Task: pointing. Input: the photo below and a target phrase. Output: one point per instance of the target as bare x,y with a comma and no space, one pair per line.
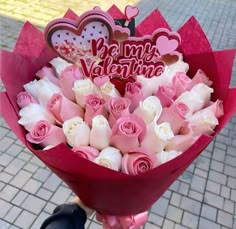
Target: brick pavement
203,197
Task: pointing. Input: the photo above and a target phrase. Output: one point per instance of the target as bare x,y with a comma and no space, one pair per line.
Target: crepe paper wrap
107,191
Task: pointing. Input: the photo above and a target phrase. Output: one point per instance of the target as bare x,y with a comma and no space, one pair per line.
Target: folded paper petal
193,39
152,22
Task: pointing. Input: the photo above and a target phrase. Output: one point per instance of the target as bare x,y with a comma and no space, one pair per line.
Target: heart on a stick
131,12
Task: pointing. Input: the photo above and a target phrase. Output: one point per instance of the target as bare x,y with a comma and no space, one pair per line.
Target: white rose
165,156
171,70
33,113
149,109
203,91
157,136
77,132
100,133
109,157
192,100
83,88
42,90
150,85
59,65
203,122
108,90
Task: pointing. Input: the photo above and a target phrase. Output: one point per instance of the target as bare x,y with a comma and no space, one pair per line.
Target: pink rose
138,161
45,134
165,94
122,222
24,99
181,143
118,106
165,156
200,77
157,136
94,105
67,78
217,108
49,73
86,152
181,82
203,122
128,132
133,91
175,115
63,109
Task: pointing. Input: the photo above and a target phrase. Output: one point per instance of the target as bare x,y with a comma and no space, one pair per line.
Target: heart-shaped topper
131,12
167,41
71,40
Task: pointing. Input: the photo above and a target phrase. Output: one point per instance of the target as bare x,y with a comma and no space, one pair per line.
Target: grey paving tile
44,194
218,166
174,214
198,184
204,223
175,199
231,182
25,220
209,212
213,187
12,214
5,143
225,192
5,177
24,156
190,205
41,174
14,150
52,183
195,195
61,195
168,224
34,160
49,208
183,188
5,159
219,154
2,185
4,208
4,224
155,219
95,226
19,198
8,192
32,186
20,179
229,170
190,220
233,195
225,219
30,167
40,219
15,166
33,204
203,163
229,206
214,200
160,207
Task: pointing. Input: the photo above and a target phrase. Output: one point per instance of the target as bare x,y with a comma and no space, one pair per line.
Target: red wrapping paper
107,191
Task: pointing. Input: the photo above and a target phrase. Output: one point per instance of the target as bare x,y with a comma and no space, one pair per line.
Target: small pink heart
131,12
100,80
166,45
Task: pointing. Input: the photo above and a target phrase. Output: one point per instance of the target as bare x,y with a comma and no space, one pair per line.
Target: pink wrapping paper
107,191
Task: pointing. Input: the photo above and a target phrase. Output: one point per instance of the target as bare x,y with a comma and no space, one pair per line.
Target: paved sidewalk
203,197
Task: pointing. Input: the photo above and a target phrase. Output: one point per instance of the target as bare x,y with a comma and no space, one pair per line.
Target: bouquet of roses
109,138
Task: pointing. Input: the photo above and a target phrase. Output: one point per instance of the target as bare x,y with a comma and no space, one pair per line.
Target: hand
77,201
